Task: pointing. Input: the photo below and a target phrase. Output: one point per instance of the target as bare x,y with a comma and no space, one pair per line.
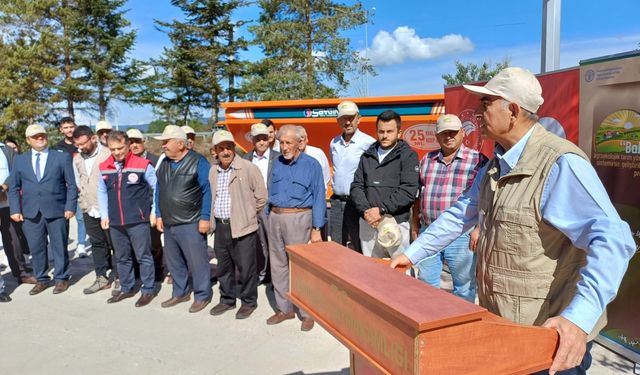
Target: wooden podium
395,324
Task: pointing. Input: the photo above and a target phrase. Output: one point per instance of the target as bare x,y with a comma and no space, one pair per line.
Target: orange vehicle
318,116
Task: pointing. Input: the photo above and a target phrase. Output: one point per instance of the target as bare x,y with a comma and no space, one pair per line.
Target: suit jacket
54,194
273,155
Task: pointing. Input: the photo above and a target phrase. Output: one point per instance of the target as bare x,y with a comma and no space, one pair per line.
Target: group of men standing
542,258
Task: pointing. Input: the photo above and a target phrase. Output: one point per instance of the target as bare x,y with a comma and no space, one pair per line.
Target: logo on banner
320,112
589,75
421,137
471,126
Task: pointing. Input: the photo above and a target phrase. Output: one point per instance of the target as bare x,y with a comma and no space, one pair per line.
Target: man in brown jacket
238,194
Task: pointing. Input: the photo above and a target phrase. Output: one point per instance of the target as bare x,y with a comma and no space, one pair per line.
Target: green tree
304,54
203,57
473,73
108,38
28,64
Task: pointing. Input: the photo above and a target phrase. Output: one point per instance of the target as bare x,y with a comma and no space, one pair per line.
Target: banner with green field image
610,134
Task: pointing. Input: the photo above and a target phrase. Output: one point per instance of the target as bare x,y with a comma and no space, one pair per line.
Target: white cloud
404,44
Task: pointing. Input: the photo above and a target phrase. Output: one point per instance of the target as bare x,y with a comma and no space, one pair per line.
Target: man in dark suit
43,195
262,156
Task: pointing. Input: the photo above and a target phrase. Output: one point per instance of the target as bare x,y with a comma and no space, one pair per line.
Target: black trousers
14,243
344,224
101,248
235,253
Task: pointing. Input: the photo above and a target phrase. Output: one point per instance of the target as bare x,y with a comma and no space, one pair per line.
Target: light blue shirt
4,165
44,154
345,157
103,197
576,203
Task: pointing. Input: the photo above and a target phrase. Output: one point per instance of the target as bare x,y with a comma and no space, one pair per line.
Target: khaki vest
527,270
88,196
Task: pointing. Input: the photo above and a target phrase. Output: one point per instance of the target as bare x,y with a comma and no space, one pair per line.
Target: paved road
72,333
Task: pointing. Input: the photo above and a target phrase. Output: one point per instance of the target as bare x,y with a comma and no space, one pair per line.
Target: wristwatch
383,211
316,228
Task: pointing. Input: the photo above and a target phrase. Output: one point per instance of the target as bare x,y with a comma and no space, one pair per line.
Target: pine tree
203,57
305,55
108,38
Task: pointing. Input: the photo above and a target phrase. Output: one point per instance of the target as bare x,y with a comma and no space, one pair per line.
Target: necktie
38,173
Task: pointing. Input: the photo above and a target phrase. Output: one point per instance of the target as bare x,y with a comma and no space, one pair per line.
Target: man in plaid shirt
444,175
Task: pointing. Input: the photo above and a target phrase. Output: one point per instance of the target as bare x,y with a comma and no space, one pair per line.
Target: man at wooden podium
552,249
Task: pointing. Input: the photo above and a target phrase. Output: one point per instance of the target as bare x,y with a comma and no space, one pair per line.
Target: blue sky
428,36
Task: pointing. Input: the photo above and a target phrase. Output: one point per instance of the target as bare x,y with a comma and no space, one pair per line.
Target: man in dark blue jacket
385,185
43,195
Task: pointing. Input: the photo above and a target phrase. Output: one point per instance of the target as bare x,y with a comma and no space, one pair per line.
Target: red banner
559,113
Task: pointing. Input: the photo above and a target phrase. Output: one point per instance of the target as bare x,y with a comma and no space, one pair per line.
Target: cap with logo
222,136
103,125
389,234
259,129
448,122
135,134
172,132
515,85
347,108
34,129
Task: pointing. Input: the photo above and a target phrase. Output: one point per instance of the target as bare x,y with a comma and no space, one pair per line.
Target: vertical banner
610,134
558,113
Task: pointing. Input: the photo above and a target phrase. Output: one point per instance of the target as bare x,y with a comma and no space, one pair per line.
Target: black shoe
220,308
4,297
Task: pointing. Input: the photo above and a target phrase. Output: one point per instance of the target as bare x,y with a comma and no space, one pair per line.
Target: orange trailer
318,116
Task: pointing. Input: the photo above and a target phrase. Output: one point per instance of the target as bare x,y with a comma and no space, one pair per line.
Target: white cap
135,133
347,108
389,234
103,125
34,130
172,132
259,128
515,85
448,122
222,136
188,129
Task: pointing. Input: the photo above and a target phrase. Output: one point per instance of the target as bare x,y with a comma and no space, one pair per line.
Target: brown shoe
144,299
175,300
40,286
245,311
119,297
307,324
220,309
280,317
198,305
61,286
27,279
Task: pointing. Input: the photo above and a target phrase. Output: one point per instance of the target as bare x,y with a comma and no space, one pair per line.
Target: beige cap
259,128
34,129
103,125
389,234
347,108
222,136
135,133
448,122
515,85
188,129
172,132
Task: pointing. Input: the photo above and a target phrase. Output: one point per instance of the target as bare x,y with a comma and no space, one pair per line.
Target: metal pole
550,56
366,54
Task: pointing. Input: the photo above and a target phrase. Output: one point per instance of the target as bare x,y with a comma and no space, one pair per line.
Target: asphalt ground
73,333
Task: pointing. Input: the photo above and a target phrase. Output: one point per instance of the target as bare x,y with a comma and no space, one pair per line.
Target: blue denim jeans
462,265
82,232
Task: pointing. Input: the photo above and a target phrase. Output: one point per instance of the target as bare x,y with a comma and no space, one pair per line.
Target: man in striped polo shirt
444,175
